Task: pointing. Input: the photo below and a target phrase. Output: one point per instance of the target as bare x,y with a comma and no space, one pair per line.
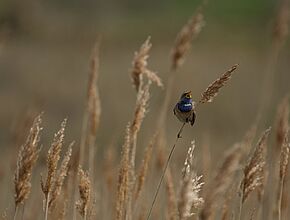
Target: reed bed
143,183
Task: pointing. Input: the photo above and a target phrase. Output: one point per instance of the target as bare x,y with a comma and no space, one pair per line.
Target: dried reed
82,205
144,168
53,157
123,177
280,34
284,159
183,41
254,171
139,114
213,89
191,185
91,118
222,181
26,160
282,124
60,177
139,67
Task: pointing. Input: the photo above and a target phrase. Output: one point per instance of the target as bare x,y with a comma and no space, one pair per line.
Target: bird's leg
180,131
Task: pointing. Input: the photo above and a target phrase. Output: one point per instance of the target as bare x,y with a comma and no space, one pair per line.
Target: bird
184,109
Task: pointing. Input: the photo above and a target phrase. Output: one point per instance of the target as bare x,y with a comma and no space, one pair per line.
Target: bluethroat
184,109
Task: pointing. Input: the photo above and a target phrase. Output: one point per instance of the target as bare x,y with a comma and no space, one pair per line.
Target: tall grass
232,190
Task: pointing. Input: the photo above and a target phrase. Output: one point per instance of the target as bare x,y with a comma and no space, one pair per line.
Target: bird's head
186,96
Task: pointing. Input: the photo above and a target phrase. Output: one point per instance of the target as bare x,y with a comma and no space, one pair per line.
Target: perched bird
184,109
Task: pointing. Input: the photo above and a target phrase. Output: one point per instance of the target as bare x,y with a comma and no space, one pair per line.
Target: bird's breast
185,107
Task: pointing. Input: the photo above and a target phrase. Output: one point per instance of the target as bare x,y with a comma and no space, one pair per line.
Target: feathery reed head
190,187
141,107
282,122
144,168
82,204
222,181
62,173
185,36
140,67
53,157
284,157
213,89
254,171
26,160
123,177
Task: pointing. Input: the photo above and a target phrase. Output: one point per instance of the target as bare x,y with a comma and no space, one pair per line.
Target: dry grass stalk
144,168
171,198
26,160
83,203
139,67
213,89
53,157
123,177
94,103
284,159
281,29
91,119
109,167
60,177
190,188
254,170
222,181
139,114
226,207
282,123
183,40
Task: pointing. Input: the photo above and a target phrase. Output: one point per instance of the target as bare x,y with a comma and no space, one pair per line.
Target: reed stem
15,212
280,198
46,207
164,171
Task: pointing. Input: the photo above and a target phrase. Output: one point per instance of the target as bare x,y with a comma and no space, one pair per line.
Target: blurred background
45,47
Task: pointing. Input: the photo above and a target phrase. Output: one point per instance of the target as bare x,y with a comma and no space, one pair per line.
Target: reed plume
91,118
222,181
61,175
144,168
82,205
27,157
139,67
254,171
284,159
282,124
213,89
139,115
53,157
123,177
191,185
183,40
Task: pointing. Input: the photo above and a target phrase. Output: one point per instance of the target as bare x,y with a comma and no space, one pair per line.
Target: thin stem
15,212
241,207
164,171
22,214
280,198
46,207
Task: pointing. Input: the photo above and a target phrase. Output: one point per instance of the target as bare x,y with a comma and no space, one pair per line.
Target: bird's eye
188,96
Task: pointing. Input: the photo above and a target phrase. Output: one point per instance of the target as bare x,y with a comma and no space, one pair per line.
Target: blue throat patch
185,105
